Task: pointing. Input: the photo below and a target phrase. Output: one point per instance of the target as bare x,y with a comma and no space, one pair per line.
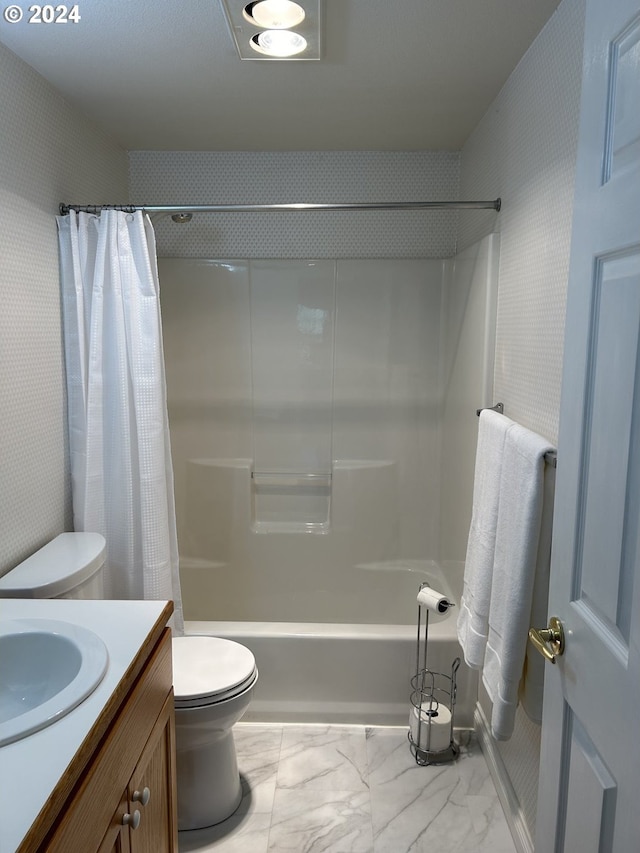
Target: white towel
531,687
516,549
473,616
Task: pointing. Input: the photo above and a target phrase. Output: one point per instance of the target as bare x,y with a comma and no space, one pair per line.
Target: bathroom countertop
31,768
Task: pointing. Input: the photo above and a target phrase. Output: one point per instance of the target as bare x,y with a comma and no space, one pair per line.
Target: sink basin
47,668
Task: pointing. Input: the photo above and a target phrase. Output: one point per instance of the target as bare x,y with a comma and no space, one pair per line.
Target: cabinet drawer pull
142,796
131,820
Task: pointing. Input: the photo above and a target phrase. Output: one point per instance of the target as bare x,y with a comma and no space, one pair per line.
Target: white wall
524,150
50,153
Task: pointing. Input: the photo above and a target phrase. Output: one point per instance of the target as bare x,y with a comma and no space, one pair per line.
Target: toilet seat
209,670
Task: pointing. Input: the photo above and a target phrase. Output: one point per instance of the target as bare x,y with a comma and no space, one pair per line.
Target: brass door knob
549,641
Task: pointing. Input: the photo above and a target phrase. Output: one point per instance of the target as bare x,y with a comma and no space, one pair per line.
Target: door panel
609,481
590,796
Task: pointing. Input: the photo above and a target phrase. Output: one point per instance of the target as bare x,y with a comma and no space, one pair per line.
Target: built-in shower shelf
284,479
200,564
290,527
291,501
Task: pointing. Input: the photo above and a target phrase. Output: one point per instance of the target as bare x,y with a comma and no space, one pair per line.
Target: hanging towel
532,682
516,550
473,616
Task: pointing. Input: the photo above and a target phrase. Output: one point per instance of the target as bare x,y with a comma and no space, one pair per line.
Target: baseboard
508,799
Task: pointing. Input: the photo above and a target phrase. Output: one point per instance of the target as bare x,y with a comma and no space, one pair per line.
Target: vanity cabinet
124,797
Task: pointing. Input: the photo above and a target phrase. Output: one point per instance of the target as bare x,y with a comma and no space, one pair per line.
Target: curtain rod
181,209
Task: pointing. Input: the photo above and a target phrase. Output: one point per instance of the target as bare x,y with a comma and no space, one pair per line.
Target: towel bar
550,457
499,407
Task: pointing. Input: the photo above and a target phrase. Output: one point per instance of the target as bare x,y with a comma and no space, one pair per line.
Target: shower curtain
120,456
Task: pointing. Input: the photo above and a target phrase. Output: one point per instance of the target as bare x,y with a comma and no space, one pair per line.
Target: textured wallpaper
524,149
50,154
280,177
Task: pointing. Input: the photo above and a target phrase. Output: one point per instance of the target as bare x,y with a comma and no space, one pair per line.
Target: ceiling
394,74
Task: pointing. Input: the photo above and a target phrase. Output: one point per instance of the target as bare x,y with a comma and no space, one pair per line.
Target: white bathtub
356,672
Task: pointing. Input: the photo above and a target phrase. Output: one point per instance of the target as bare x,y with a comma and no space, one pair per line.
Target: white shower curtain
122,479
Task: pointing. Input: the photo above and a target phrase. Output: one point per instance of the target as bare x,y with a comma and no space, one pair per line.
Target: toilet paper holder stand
433,695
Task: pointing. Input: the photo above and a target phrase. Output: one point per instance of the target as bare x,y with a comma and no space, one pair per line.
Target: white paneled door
589,795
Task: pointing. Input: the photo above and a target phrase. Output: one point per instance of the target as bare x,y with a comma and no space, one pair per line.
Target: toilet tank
70,566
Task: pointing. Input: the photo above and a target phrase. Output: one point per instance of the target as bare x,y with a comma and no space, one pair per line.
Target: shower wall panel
469,326
292,317
292,347
386,392
303,404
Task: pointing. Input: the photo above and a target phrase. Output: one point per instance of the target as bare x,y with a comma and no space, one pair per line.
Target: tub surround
39,771
303,399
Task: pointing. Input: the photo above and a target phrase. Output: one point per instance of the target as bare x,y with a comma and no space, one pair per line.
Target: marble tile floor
351,789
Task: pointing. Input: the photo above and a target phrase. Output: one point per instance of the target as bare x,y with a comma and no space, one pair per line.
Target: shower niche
291,501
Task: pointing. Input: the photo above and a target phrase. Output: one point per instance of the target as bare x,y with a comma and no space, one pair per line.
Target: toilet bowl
213,684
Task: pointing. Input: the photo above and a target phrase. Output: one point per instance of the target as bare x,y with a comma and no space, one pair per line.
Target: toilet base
208,782
209,789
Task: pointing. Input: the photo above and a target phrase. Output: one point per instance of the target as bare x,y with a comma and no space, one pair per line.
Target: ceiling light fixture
280,43
275,30
274,14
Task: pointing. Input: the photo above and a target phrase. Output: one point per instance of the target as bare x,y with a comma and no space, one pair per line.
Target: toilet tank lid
59,566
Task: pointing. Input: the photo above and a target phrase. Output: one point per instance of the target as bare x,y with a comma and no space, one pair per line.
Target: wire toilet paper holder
433,695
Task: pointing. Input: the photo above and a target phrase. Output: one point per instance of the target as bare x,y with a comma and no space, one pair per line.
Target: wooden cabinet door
144,724
152,789
116,839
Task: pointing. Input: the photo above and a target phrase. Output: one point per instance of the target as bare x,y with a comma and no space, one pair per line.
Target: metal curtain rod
167,209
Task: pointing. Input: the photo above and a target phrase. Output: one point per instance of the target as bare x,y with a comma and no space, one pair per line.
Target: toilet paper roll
440,727
433,600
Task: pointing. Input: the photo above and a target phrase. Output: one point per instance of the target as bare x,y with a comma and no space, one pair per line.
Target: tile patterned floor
351,789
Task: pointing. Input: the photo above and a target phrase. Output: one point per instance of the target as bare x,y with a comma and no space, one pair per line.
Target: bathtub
354,671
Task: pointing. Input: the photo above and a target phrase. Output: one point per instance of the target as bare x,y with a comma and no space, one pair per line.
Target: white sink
47,668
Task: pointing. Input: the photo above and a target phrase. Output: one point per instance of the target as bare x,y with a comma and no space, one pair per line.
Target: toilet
213,684
213,679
